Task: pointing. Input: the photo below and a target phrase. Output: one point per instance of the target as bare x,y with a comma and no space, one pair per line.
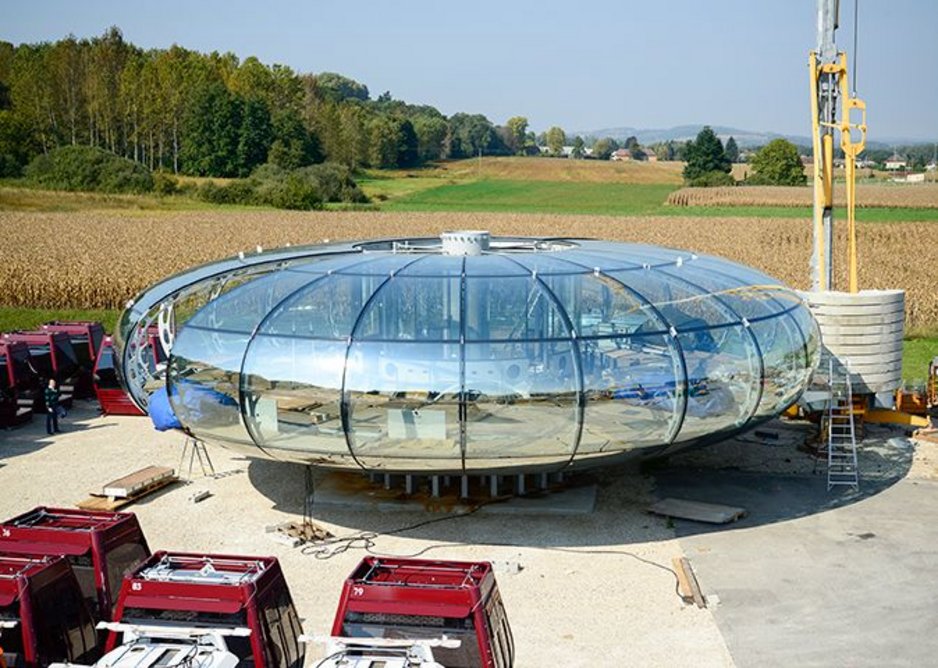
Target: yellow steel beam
885,416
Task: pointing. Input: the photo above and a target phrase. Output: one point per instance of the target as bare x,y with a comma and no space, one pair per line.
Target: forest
186,112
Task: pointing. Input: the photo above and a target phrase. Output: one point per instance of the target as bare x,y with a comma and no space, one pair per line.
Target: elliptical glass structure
473,354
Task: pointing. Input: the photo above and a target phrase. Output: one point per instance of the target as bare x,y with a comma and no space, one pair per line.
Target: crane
833,108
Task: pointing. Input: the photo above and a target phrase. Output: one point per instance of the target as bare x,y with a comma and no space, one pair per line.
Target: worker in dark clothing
52,408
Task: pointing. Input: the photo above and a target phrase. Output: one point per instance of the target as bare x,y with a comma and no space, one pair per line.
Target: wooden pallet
133,487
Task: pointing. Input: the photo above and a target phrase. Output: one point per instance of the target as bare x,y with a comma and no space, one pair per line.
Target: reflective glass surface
535,355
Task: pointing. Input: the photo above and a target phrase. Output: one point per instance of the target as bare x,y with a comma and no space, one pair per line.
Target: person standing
52,408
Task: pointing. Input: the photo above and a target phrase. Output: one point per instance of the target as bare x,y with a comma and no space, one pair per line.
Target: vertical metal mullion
463,408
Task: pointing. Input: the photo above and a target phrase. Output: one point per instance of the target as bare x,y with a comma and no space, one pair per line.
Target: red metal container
52,356
220,591
422,599
43,617
20,388
100,546
85,337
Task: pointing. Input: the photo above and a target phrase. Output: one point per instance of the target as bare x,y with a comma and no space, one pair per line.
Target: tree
732,150
212,133
517,129
469,134
637,152
604,148
778,164
705,155
579,148
631,142
408,154
254,137
336,88
555,140
431,135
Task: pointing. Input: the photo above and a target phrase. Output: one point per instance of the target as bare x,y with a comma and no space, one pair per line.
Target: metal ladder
842,466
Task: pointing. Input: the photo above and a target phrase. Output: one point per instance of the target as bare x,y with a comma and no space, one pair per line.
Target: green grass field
574,197
917,353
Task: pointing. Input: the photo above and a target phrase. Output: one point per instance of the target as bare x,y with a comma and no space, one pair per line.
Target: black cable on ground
366,540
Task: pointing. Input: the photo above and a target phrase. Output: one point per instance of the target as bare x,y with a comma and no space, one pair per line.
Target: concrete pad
353,491
812,578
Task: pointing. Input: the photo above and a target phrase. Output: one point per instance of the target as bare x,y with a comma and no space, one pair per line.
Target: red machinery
52,356
43,617
423,599
85,337
112,397
100,546
244,599
20,388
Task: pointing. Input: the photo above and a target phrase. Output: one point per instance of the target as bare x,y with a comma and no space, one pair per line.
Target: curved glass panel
722,380
521,403
403,404
683,306
408,308
511,309
634,392
326,308
598,305
292,395
203,379
241,308
784,362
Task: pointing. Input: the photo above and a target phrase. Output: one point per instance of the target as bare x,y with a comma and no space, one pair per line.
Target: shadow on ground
788,488
31,436
794,486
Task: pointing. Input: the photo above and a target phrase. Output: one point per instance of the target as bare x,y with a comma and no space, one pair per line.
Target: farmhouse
622,154
896,162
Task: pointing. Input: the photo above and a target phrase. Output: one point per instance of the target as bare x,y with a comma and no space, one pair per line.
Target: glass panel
633,393
784,359
327,308
404,404
599,305
292,394
383,264
723,380
747,301
241,309
328,263
549,263
739,271
435,265
501,309
683,306
592,257
521,403
413,309
809,330
493,265
204,373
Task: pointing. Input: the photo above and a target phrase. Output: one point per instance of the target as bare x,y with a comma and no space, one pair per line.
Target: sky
582,65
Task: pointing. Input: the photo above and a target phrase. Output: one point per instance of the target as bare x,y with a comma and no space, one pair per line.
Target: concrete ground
807,576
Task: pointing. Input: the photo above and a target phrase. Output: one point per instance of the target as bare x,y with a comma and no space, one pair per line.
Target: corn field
102,259
922,195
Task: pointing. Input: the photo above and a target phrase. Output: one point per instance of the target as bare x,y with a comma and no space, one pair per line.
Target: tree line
211,114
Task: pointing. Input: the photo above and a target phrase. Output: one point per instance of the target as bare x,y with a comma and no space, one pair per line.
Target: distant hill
744,138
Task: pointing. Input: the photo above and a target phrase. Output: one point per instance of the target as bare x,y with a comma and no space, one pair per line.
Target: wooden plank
683,583
698,511
138,480
687,581
111,503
